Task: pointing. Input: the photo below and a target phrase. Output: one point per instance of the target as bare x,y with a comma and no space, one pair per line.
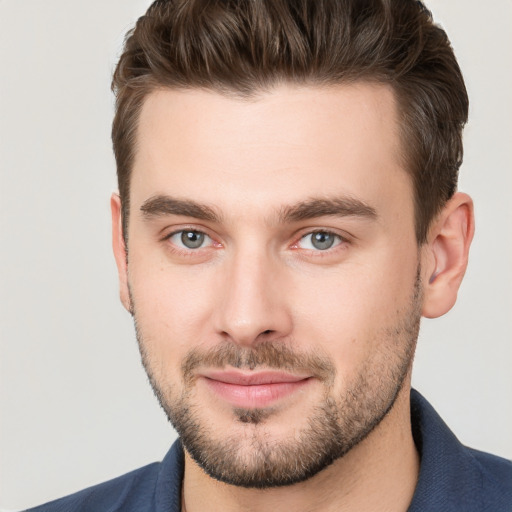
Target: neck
380,473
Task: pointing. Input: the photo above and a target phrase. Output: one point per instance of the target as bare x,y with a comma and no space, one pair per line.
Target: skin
259,279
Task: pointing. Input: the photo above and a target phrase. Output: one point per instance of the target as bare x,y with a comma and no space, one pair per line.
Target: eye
320,240
190,239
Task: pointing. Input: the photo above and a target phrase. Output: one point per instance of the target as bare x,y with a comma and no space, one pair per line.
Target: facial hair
334,426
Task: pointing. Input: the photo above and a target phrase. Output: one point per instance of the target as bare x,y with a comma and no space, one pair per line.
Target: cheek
348,309
172,308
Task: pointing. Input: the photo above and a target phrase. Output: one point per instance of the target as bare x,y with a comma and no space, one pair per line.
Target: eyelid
196,229
344,237
180,229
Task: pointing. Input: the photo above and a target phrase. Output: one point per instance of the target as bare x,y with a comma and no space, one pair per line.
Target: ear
445,255
120,251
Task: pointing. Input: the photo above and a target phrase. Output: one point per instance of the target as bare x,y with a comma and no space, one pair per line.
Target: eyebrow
320,207
159,206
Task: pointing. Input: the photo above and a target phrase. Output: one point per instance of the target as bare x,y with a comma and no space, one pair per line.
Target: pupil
192,239
322,240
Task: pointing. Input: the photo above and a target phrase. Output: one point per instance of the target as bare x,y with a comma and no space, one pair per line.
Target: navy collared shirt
452,477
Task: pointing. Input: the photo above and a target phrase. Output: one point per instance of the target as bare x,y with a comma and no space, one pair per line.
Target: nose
253,305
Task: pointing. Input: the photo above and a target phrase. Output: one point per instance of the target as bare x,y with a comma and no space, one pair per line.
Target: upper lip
252,378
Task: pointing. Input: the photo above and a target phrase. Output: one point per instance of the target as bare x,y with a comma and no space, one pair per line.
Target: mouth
253,390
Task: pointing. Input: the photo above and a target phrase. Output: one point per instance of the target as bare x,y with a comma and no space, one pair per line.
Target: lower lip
254,396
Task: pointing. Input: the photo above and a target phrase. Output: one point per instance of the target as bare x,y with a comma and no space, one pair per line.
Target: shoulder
152,488
121,493
452,476
483,481
496,473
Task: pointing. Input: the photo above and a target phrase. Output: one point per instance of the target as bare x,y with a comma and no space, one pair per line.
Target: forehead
280,147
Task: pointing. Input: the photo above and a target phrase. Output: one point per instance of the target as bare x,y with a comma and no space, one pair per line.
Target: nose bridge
254,302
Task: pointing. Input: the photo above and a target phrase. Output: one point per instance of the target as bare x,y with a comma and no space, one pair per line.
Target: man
287,212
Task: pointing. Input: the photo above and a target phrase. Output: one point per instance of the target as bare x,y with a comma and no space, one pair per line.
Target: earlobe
446,255
120,252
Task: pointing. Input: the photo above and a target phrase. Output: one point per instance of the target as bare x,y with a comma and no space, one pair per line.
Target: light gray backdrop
75,405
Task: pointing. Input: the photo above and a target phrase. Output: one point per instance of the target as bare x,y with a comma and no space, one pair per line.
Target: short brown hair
242,47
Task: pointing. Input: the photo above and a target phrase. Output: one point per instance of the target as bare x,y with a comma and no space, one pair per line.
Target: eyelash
186,251
327,256
342,241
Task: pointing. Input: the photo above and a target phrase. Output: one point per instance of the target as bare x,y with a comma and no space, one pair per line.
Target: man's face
273,273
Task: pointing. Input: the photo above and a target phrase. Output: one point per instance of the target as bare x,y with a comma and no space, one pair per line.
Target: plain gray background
75,405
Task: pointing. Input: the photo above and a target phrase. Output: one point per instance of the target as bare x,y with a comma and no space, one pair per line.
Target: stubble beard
335,426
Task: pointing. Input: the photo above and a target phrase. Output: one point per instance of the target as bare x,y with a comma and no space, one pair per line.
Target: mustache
277,356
